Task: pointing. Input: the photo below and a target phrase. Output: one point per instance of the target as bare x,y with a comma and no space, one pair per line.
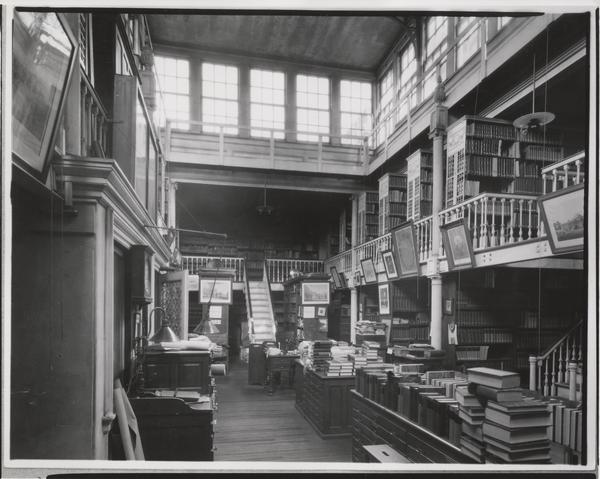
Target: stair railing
558,365
268,283
248,305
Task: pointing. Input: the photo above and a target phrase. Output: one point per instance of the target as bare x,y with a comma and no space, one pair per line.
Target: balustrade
194,263
565,173
278,270
94,121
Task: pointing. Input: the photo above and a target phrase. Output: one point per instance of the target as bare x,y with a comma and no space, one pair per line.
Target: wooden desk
280,366
177,369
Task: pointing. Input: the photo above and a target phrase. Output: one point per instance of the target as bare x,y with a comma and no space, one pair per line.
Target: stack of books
566,423
472,414
370,350
321,353
341,353
515,428
358,359
339,368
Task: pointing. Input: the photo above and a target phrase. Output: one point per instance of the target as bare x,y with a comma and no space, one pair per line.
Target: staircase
262,321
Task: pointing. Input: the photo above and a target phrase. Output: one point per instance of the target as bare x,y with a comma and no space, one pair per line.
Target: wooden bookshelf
419,179
409,303
392,202
490,155
368,216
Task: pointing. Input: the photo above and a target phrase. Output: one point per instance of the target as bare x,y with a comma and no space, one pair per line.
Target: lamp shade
165,334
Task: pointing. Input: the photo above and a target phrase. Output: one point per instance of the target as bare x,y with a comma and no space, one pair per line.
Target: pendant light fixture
265,209
534,119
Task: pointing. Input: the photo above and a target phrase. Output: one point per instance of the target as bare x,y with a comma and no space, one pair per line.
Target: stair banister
248,305
268,283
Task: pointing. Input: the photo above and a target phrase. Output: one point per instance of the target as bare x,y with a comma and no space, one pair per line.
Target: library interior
318,237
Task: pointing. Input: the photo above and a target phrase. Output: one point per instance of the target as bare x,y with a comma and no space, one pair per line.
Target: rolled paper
218,369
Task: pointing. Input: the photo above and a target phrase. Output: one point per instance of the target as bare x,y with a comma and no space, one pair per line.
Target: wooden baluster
553,382
567,359
566,177
493,233
577,176
561,372
529,208
572,367
475,244
520,220
483,235
539,375
574,349
544,178
554,179
546,388
540,223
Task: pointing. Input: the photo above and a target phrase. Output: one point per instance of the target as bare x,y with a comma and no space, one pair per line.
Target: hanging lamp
534,119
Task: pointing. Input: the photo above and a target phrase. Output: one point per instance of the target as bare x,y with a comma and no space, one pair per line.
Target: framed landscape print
389,264
384,299
457,243
215,291
368,270
337,281
563,215
315,293
43,59
404,241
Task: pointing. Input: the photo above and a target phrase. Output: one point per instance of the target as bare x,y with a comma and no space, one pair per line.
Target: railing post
572,367
532,364
577,177
502,202
566,178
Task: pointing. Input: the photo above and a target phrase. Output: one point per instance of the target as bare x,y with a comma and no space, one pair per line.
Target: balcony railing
342,263
266,149
373,249
565,173
194,263
94,121
278,270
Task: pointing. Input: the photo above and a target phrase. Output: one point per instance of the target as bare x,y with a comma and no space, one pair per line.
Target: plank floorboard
255,426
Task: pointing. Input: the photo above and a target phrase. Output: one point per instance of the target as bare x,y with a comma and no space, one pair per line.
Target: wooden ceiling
350,42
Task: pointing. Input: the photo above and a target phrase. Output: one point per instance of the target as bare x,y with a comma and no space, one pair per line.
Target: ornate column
437,131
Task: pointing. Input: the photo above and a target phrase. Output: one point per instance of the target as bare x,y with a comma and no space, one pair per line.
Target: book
537,445
526,457
474,432
515,407
514,435
495,378
465,398
526,419
495,394
473,420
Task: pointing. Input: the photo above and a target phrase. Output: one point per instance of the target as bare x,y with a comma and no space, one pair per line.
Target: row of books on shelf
543,153
484,336
397,181
490,166
523,185
424,193
526,339
425,176
397,209
530,319
394,196
475,318
492,130
488,146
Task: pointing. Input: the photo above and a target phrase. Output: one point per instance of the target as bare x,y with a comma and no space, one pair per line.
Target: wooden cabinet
419,179
368,216
392,202
173,430
325,402
375,424
177,369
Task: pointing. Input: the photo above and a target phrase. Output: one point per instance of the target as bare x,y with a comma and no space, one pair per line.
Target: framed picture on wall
321,311
43,60
337,281
389,263
562,212
308,312
384,299
368,270
343,280
215,291
315,292
457,243
404,241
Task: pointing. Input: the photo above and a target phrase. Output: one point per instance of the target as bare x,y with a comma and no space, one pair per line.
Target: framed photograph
368,270
343,280
322,311
43,61
308,312
315,293
563,216
389,264
215,291
215,311
337,281
404,240
457,243
449,306
357,278
384,299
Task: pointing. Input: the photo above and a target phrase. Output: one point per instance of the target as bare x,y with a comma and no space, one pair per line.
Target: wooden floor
255,426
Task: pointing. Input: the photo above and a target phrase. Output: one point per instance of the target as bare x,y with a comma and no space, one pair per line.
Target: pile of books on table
321,353
339,368
370,350
472,414
515,427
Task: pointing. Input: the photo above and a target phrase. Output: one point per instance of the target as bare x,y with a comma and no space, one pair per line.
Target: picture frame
564,220
368,270
343,280
384,298
308,312
316,292
337,281
404,241
448,306
458,246
215,291
321,311
42,71
389,264
357,276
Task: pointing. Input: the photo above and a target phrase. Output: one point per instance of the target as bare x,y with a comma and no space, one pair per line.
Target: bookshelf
345,230
490,155
392,202
419,179
409,304
368,216
339,316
